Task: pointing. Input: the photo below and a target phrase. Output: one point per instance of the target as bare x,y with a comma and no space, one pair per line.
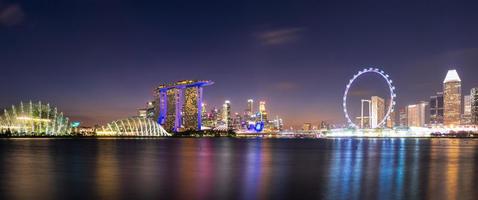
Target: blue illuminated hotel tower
179,105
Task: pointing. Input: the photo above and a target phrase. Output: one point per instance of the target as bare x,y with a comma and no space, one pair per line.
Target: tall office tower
436,109
474,105
417,114
378,111
215,117
467,105
262,111
180,105
452,98
226,114
403,115
466,117
250,107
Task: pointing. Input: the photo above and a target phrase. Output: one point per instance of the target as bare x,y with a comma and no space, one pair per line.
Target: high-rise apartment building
452,98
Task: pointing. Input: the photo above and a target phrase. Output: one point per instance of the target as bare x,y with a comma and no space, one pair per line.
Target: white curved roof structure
133,126
452,76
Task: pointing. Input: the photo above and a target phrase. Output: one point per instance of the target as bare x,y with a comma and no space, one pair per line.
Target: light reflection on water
227,168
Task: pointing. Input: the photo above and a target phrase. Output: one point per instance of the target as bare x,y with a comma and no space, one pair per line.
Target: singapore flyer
392,95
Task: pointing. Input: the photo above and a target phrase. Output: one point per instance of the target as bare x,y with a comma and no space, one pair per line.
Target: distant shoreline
236,137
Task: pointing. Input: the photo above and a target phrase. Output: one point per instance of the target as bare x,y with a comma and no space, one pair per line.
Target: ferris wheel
391,93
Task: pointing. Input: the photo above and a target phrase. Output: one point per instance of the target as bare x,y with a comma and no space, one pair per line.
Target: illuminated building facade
180,105
307,127
452,98
250,107
262,111
466,117
403,115
377,108
436,109
417,114
226,116
474,105
391,120
149,111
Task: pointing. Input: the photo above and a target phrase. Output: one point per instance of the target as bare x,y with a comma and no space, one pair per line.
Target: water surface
228,168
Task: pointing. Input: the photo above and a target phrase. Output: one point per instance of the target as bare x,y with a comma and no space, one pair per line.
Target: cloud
11,15
280,36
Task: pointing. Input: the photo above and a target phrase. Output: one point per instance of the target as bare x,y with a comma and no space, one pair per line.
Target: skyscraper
250,107
226,116
466,117
417,114
262,111
452,98
262,106
378,111
474,105
436,109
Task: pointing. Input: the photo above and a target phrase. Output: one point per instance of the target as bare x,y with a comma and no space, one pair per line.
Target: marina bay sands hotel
179,104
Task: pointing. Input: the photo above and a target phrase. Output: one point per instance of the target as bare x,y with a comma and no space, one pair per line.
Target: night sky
99,60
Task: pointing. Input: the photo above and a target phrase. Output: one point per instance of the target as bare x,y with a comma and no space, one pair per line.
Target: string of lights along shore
179,108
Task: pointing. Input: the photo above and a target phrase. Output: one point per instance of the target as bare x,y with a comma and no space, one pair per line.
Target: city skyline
291,57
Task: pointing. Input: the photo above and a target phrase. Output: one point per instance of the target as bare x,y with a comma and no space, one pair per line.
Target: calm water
226,168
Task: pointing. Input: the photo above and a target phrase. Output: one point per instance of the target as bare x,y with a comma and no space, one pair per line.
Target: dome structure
33,119
133,126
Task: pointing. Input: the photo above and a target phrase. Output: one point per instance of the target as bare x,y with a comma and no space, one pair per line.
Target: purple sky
99,60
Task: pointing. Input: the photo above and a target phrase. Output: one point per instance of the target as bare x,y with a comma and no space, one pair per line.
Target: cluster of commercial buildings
179,107
319,127
254,118
448,108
